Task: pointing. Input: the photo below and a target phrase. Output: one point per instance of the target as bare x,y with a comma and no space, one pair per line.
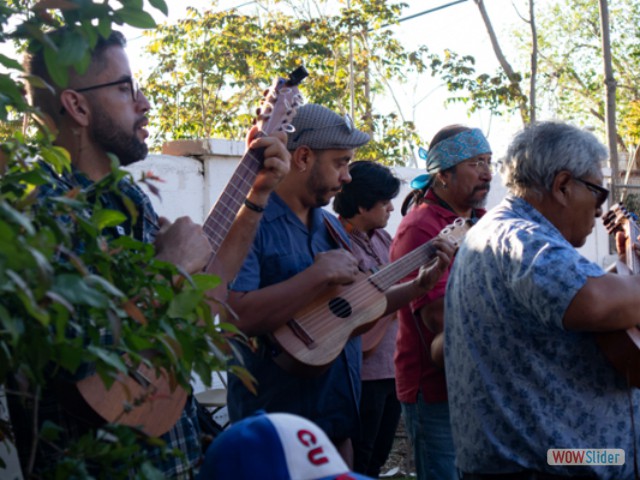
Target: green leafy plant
64,282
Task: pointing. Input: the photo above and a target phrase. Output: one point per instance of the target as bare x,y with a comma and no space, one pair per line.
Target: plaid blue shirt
185,435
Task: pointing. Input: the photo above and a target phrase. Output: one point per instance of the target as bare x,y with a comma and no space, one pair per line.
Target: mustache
484,186
141,122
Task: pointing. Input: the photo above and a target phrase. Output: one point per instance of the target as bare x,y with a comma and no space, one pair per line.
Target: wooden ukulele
151,399
622,348
318,333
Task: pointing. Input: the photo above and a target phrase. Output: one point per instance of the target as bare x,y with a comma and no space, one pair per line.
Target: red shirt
415,370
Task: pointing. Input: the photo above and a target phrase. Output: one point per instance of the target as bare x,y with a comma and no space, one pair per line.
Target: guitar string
231,195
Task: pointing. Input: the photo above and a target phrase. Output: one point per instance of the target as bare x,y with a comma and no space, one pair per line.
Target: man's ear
442,179
561,188
75,106
302,159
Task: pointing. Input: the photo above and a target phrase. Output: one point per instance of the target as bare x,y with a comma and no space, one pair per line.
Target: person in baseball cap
275,446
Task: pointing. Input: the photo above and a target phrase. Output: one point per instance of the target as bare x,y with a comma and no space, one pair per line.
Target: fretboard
223,213
389,275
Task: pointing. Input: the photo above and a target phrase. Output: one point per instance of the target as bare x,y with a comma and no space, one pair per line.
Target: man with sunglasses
102,114
522,310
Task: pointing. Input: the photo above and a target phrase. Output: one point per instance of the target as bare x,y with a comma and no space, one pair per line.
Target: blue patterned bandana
451,151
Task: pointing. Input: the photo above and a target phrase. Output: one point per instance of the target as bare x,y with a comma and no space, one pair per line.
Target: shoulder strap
340,241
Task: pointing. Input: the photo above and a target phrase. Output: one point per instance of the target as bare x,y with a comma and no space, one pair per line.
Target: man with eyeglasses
522,311
296,256
456,185
102,114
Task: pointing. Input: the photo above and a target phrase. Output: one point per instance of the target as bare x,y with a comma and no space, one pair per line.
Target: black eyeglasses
133,86
599,192
347,122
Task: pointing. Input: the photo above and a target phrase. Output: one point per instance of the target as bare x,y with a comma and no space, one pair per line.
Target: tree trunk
508,70
534,62
610,84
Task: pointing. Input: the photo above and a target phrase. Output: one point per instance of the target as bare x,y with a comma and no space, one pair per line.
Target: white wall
192,185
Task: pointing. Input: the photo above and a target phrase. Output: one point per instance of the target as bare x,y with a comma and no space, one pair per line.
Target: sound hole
340,307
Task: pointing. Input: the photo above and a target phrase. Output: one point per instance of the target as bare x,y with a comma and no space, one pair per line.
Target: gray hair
542,150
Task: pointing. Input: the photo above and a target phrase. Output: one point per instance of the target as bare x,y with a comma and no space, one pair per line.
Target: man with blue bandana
456,185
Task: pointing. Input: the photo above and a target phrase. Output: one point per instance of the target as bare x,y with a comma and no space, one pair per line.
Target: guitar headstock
280,103
455,232
617,218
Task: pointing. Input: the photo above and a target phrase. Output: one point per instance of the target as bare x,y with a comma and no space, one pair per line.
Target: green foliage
62,281
476,90
213,65
54,301
571,73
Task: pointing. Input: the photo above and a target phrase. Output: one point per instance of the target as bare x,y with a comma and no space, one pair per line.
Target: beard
322,194
481,202
114,139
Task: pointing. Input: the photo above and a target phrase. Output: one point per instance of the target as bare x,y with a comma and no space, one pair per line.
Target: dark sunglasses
599,192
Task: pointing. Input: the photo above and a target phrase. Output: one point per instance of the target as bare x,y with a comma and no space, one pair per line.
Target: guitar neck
223,213
274,115
395,271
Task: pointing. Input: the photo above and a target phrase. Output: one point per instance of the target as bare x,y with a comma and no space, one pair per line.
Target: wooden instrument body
146,400
374,335
622,348
319,332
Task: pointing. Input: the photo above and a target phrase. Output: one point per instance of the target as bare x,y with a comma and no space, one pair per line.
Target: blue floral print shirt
519,383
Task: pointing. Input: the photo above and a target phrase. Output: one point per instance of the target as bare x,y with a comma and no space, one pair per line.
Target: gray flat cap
319,128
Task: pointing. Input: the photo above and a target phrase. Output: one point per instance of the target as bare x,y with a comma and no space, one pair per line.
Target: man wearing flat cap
295,256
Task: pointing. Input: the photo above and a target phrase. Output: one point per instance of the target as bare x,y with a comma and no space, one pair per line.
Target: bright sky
458,27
